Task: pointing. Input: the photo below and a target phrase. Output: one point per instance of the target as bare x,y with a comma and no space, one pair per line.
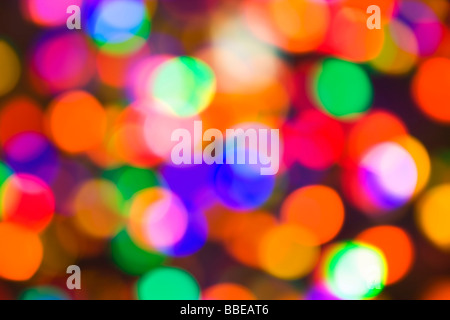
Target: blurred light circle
350,39
184,86
48,13
242,64
62,61
396,246
199,193
158,219
315,140
132,259
119,26
318,209
341,89
168,284
255,88
44,293
294,26
288,252
13,121
27,201
400,50
261,141
32,153
425,24
355,271
243,234
241,187
388,174
433,215
430,88
10,66
251,156
227,291
77,121
97,206
21,252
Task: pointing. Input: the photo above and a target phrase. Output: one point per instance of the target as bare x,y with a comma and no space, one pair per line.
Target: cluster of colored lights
360,207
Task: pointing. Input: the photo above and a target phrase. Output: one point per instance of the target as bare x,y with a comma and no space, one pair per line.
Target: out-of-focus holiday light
355,271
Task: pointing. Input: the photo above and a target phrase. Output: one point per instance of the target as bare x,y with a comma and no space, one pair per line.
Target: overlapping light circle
355,271
184,86
118,26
